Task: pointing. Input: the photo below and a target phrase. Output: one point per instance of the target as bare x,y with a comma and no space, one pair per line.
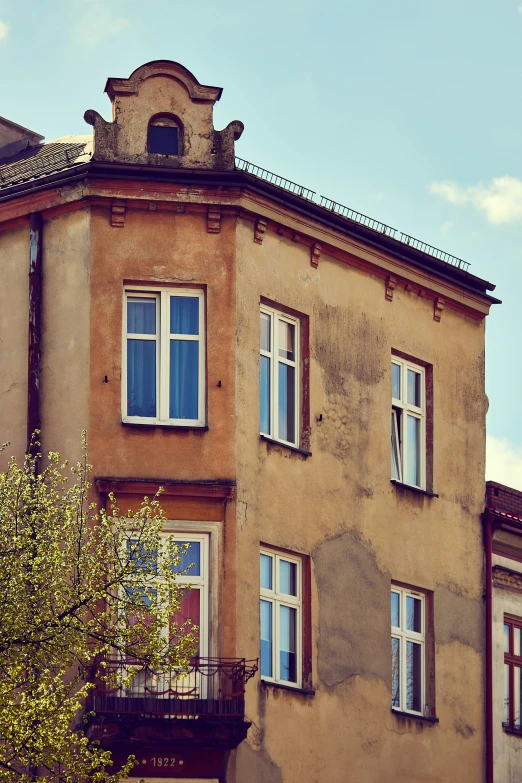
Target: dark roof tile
44,159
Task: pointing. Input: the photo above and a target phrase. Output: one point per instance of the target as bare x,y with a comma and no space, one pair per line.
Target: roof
48,158
69,152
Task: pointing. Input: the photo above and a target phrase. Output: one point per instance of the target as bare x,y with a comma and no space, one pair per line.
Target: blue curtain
184,359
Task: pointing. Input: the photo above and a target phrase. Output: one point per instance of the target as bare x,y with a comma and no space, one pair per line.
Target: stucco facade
130,220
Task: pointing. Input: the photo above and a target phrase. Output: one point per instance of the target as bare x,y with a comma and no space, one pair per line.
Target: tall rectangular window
512,674
279,376
163,357
408,624
281,618
192,615
408,423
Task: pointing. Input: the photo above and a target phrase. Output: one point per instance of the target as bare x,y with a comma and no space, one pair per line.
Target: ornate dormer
162,116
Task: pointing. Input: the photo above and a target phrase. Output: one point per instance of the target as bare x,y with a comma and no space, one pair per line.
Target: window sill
303,452
511,730
414,716
414,489
280,686
165,425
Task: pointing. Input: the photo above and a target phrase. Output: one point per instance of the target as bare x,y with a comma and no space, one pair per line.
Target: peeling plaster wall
14,304
65,360
339,507
507,748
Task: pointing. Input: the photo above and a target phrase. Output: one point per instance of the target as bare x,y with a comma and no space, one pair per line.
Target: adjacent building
503,541
307,384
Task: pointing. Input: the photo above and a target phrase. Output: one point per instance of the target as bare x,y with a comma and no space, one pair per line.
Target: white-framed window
163,367
279,376
281,615
192,574
408,423
408,639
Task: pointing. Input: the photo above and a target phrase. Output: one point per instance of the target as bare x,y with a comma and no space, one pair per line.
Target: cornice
216,490
325,233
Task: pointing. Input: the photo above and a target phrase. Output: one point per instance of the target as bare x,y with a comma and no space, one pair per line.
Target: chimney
14,138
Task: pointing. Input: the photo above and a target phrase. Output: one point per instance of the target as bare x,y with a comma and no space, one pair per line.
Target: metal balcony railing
207,688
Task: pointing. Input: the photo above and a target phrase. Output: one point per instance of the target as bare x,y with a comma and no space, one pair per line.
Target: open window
408,423
165,136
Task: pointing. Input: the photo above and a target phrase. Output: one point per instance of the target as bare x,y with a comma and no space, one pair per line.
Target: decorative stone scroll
438,307
315,254
214,220
391,282
118,213
259,231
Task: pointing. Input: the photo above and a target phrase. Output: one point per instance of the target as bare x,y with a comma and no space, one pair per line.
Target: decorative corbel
214,220
315,254
259,230
118,213
438,307
391,282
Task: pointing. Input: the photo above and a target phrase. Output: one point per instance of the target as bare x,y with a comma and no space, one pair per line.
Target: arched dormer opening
165,135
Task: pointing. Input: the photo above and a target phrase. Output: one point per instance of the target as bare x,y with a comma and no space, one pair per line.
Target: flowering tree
71,577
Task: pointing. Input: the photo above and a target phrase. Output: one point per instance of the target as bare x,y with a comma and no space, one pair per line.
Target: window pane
396,669
141,316
264,395
184,372
396,381
516,697
141,378
287,578
144,560
286,407
413,466
414,388
266,638
192,555
287,341
189,610
395,610
506,638
184,315
163,140
413,614
395,458
413,676
516,641
266,572
506,693
265,332
287,644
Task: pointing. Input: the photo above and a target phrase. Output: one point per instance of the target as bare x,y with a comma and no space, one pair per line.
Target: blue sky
410,112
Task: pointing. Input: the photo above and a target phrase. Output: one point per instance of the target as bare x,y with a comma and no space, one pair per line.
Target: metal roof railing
274,179
351,214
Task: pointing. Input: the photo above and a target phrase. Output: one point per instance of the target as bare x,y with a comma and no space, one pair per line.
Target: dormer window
165,136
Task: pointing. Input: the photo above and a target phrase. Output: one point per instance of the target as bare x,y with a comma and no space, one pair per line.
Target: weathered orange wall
155,248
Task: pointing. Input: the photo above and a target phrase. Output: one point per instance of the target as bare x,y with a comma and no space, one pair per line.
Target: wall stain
354,611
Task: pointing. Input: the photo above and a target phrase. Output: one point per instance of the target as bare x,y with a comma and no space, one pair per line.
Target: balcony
174,714
209,688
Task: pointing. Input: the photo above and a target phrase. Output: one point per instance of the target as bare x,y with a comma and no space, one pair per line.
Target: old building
307,384
503,540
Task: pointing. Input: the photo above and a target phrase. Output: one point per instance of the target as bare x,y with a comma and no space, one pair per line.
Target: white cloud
520,9
500,201
4,30
503,462
447,226
99,22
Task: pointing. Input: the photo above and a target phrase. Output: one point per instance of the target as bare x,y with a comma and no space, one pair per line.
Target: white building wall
507,748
